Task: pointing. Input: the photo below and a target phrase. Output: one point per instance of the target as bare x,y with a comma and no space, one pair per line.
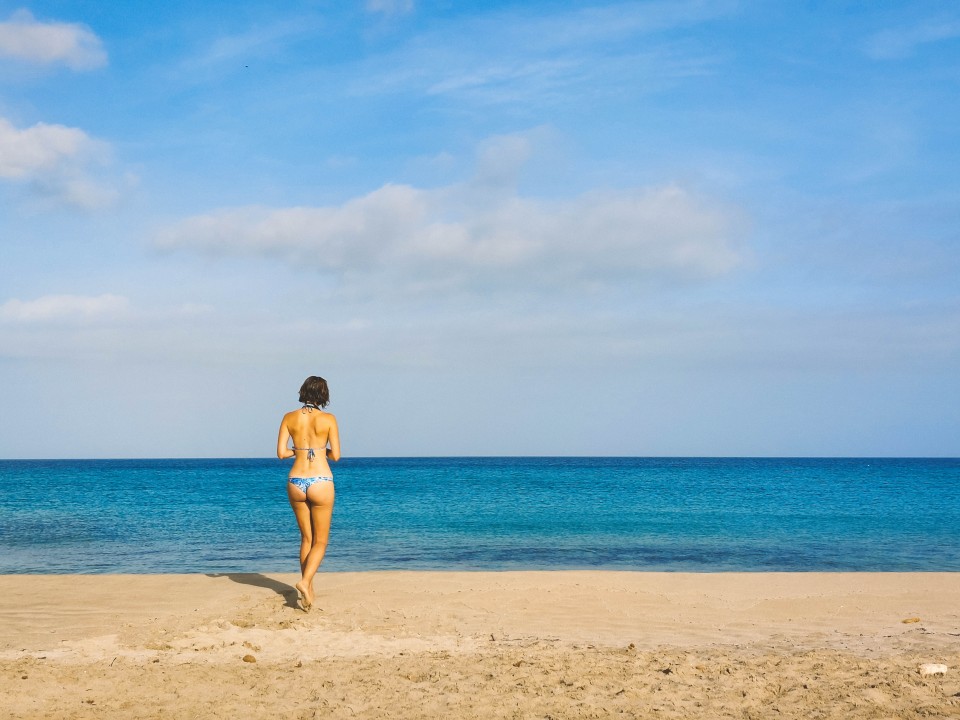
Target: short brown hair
314,391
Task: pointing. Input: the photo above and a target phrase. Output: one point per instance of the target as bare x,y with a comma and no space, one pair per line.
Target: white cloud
482,235
65,308
56,161
389,7
39,148
896,44
74,45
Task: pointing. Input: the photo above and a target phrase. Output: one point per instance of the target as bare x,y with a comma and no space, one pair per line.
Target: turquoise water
694,514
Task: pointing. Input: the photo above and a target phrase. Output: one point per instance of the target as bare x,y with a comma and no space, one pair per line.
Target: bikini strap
311,453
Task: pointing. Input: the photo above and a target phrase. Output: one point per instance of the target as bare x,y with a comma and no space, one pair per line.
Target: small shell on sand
249,658
933,669
907,621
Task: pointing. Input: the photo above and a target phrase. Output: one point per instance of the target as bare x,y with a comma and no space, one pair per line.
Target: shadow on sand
288,592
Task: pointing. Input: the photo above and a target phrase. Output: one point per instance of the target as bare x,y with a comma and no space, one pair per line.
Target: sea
487,513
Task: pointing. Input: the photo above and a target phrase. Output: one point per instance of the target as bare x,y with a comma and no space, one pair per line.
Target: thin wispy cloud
522,56
52,309
84,310
602,25
105,326
255,43
899,43
389,7
24,38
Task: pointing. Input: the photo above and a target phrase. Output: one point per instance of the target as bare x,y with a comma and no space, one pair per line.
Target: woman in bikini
310,482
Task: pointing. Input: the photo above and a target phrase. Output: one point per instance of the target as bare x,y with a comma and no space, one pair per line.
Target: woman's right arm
333,438
284,452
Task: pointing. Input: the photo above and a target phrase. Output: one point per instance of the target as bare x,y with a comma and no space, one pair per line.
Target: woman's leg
320,499
298,501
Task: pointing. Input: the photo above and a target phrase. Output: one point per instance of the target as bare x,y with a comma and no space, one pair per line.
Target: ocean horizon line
496,457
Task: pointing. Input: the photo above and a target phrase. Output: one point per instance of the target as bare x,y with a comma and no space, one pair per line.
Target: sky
686,228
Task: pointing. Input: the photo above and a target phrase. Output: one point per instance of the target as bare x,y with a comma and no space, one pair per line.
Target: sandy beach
485,645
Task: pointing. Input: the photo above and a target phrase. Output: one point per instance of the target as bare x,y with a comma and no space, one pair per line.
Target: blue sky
654,228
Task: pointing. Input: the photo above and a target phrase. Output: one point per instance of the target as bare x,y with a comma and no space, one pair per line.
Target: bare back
310,429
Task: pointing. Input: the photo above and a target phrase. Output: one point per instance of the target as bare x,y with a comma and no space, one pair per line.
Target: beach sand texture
481,644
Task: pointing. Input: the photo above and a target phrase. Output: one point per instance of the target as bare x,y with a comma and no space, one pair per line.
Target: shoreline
481,644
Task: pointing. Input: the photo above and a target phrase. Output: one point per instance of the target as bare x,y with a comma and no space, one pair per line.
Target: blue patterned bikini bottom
305,483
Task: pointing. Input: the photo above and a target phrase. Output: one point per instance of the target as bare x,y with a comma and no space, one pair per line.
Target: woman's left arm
284,452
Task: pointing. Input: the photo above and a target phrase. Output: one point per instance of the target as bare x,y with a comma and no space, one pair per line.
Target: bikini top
311,453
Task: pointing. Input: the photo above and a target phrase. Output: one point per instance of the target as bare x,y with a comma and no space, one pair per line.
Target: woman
310,482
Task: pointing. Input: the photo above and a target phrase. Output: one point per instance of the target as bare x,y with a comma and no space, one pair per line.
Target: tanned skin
309,427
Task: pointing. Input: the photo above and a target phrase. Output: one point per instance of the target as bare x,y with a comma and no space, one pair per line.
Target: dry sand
484,645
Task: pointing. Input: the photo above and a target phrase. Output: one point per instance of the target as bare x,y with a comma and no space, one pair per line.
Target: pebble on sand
249,658
933,669
907,621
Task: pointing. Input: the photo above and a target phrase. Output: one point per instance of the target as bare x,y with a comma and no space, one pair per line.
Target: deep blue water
694,514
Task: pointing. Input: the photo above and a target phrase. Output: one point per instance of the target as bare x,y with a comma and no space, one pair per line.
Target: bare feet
305,596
